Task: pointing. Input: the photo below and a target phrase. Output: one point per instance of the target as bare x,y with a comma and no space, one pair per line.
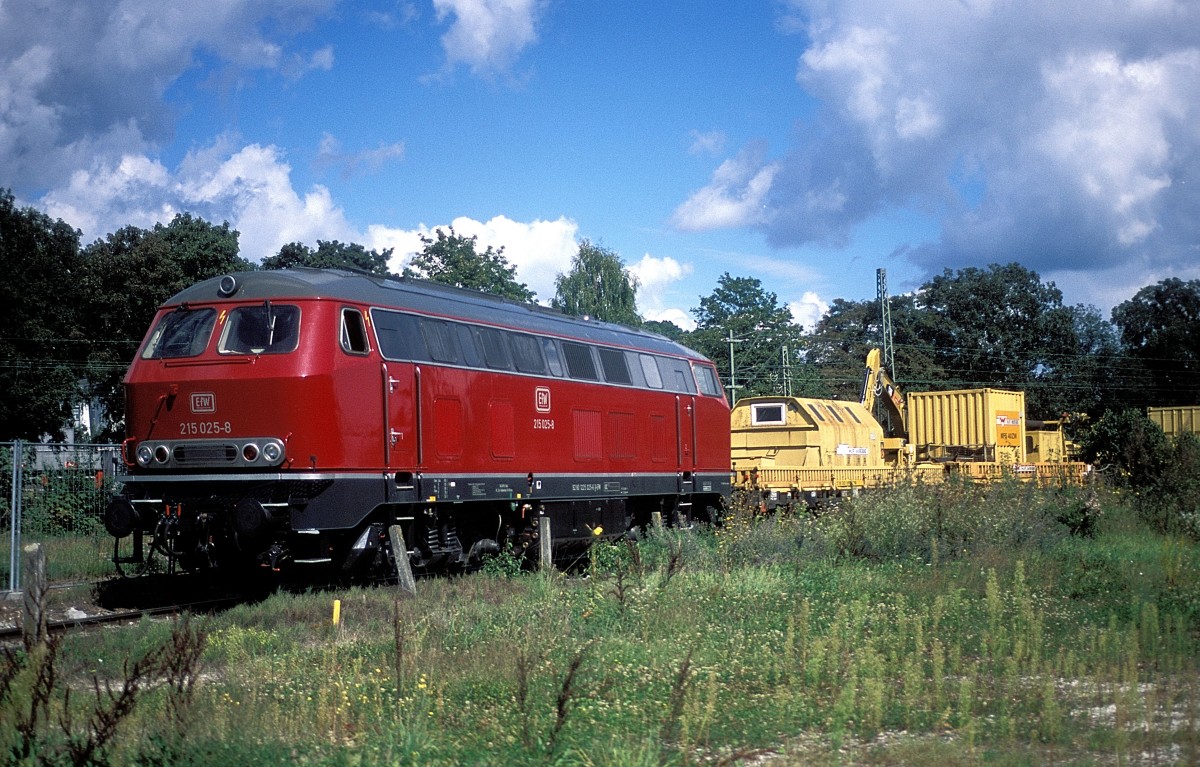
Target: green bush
946,521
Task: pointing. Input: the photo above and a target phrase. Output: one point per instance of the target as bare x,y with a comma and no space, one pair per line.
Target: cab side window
354,332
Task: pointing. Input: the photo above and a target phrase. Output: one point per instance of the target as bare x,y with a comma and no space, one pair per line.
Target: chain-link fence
55,494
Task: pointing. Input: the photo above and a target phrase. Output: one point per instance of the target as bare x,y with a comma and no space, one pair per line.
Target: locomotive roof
421,296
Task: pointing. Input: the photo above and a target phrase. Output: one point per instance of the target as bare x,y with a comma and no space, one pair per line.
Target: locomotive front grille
205,455
247,453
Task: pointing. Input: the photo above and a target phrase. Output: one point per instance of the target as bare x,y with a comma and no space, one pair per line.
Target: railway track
128,600
8,634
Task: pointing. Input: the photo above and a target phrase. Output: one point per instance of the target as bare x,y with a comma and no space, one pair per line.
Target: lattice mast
885,312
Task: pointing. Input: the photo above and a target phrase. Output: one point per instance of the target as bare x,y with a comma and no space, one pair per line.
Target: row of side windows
413,338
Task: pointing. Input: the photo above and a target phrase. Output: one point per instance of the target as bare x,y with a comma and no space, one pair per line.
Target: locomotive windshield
182,333
265,329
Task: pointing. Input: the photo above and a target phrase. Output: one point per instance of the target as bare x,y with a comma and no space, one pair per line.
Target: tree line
73,315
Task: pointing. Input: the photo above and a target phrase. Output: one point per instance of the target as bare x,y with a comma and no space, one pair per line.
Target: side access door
400,382
685,423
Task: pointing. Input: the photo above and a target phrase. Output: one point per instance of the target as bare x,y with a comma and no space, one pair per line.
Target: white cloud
1058,134
735,196
858,58
678,317
653,273
654,276
708,143
300,64
352,164
487,35
1109,131
251,188
84,83
540,250
808,310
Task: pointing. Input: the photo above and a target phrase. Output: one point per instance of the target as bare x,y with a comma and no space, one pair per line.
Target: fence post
403,566
34,628
14,551
545,545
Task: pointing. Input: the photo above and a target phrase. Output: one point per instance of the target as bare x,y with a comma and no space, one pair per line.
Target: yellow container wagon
1176,420
985,425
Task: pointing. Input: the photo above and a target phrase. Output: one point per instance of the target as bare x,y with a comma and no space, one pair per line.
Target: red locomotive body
293,416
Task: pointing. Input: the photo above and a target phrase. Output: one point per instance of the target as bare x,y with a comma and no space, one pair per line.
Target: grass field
951,625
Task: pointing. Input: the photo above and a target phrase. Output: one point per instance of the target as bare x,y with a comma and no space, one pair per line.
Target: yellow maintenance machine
798,448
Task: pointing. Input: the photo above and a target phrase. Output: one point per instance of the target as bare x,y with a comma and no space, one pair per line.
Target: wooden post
545,547
656,520
403,566
34,627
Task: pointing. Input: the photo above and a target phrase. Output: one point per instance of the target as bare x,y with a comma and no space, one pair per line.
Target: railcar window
182,333
552,356
613,363
495,350
466,342
398,335
650,370
677,375
441,340
706,379
527,353
636,377
579,361
354,332
763,415
265,329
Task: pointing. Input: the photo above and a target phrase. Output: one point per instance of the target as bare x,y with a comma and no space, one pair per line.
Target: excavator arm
878,383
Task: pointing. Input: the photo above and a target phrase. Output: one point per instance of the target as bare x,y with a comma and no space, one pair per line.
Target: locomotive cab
229,393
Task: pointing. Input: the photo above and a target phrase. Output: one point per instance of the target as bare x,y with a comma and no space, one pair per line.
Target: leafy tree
1160,328
597,286
1127,445
1090,379
127,276
1001,326
839,344
740,308
668,329
1164,473
42,338
331,255
452,259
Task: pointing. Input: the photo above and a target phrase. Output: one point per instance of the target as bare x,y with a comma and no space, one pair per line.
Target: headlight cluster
196,454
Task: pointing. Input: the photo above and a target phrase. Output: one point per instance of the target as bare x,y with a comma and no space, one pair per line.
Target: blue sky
803,142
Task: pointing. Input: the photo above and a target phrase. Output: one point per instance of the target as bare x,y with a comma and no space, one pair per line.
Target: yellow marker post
337,612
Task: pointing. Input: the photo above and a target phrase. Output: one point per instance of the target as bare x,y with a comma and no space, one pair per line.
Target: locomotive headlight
144,455
272,452
250,452
162,453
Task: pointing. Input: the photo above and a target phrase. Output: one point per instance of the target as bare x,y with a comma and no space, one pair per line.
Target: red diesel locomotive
293,416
